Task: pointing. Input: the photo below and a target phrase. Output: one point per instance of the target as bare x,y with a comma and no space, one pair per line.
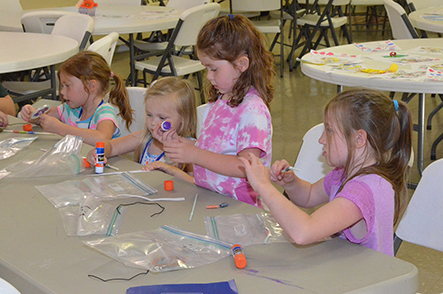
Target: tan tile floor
298,105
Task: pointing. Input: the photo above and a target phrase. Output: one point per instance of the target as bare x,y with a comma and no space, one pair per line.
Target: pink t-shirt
374,196
230,130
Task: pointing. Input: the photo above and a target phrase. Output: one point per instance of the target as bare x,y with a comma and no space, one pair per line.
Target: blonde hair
184,97
230,37
87,66
389,132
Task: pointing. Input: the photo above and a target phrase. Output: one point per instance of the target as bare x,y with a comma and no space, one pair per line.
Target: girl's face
221,73
335,147
158,109
73,90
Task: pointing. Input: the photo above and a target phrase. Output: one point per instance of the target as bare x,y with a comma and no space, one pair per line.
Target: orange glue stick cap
27,128
169,185
239,257
87,164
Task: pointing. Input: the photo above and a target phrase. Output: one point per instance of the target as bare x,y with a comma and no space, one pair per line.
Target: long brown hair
184,97
86,66
388,126
230,37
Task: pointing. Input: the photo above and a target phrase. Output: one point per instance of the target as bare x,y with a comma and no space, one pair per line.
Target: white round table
431,23
122,19
25,51
360,79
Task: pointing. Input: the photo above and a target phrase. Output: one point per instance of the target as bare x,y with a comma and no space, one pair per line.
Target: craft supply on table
27,128
239,257
224,204
193,207
24,132
37,113
111,166
169,185
100,163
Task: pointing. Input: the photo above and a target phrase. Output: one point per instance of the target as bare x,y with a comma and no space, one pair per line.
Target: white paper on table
378,46
324,57
426,50
411,75
432,17
434,75
402,58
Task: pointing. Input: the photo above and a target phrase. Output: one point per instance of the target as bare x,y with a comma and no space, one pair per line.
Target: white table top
37,257
22,51
367,80
431,25
111,18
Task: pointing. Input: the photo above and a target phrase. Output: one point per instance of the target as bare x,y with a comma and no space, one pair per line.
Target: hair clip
395,104
112,75
231,16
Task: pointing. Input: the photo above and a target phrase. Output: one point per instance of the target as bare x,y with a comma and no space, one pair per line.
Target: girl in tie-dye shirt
237,121
84,82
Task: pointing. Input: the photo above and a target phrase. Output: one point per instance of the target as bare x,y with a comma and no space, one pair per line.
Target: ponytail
120,98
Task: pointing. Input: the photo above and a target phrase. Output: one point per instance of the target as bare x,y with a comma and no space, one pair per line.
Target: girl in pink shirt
237,120
367,138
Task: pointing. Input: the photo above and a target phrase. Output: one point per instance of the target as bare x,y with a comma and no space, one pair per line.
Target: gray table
36,256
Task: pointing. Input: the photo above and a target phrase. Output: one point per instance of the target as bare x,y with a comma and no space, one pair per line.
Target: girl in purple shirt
367,138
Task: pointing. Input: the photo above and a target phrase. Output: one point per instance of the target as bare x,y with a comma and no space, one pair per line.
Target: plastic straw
193,207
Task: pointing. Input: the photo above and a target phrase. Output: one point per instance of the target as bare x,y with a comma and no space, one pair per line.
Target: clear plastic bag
91,218
65,193
246,229
63,159
163,249
10,147
110,187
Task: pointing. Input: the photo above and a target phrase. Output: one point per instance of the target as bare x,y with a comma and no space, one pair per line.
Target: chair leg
434,147
431,115
200,85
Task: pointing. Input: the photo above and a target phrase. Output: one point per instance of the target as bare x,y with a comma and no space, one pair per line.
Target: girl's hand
258,175
279,176
50,124
158,165
3,120
92,157
26,111
179,149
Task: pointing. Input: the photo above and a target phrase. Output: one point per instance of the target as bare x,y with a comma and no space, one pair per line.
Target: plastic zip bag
10,147
63,159
163,249
91,217
246,229
66,193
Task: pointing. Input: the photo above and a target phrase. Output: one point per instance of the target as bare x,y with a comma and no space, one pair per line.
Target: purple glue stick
165,126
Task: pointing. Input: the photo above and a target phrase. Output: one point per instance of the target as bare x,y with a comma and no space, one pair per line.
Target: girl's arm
117,146
303,228
170,170
104,131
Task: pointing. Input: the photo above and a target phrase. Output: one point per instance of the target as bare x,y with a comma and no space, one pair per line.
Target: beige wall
33,4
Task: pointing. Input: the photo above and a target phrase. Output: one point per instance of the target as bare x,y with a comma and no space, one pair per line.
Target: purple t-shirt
230,130
374,196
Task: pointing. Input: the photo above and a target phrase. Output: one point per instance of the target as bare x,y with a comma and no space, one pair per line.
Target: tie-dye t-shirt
104,111
229,130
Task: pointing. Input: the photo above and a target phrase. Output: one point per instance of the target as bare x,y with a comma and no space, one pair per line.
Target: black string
118,279
146,203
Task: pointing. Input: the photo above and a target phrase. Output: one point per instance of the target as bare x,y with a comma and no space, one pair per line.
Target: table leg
132,59
53,83
420,131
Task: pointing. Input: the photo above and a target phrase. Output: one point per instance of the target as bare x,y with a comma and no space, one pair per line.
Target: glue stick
239,257
99,165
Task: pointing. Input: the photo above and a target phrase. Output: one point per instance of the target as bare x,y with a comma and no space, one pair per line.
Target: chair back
185,4
76,26
10,6
422,223
105,46
310,162
137,101
191,21
7,288
255,5
202,113
41,22
400,24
